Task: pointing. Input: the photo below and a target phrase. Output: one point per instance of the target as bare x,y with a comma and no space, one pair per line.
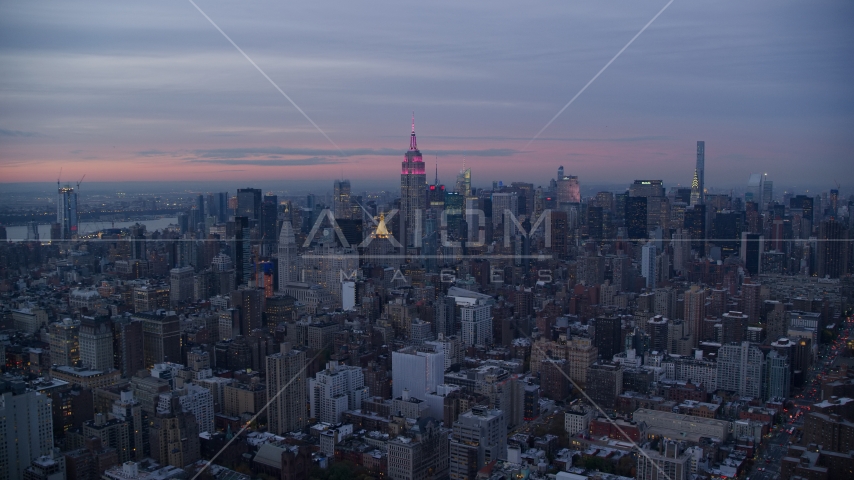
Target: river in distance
19,233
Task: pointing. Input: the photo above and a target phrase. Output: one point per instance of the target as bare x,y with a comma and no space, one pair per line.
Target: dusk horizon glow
152,92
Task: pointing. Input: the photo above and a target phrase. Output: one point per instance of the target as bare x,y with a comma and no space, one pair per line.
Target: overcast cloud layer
151,91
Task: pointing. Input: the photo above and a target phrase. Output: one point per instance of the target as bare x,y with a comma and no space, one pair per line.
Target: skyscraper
112,431
96,343
249,203
504,204
607,336
604,383
701,167
248,302
287,255
181,285
26,431
647,188
418,370
695,225
267,223
128,409
635,215
476,325
66,212
286,374
479,437
803,203
754,190
648,265
65,342
423,453
341,200
335,390
695,189
463,185
767,192
413,182
242,250
832,254
161,338
779,375
219,206
752,245
568,190
174,438
681,250
741,369
127,346
695,310
751,300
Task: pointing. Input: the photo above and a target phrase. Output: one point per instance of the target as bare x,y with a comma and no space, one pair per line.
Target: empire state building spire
413,145
413,182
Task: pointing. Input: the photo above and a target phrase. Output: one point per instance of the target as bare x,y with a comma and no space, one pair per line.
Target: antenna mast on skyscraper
437,170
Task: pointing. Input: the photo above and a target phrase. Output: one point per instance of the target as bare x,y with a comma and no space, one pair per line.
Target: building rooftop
79,371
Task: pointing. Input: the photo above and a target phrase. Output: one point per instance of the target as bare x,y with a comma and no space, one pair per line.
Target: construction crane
81,181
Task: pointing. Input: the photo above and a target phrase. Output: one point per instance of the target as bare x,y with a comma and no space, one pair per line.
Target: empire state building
413,184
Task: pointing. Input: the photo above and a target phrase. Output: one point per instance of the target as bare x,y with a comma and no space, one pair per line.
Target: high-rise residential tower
66,212
335,390
286,389
413,182
778,375
741,369
26,431
695,310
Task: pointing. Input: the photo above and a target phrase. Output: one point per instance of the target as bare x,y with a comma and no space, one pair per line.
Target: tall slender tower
695,311
341,199
66,212
287,255
413,181
286,389
701,164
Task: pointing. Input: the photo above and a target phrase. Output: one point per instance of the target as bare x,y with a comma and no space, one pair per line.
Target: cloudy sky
150,90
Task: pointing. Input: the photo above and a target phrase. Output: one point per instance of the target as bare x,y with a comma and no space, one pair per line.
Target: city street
767,466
